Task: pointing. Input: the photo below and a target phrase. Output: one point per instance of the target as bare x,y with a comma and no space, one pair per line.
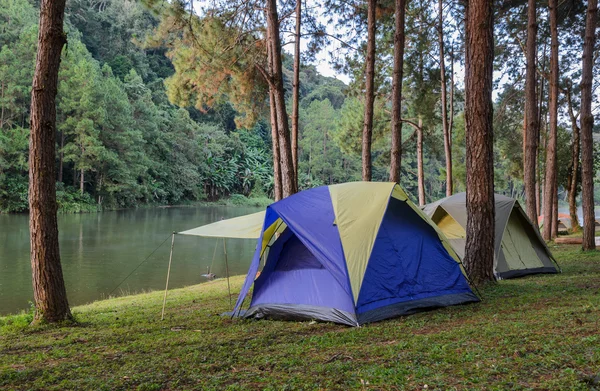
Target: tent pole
227,271
162,316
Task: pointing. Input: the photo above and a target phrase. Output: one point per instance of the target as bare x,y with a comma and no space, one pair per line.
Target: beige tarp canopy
243,227
519,248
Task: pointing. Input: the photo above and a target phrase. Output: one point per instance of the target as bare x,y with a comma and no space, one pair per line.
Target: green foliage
322,161
213,61
71,200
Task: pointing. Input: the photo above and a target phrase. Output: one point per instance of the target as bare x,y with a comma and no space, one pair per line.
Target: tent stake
162,316
227,271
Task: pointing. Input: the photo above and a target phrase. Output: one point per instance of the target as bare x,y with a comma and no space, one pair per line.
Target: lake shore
99,251
538,332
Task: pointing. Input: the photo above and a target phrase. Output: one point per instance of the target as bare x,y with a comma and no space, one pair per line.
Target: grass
535,333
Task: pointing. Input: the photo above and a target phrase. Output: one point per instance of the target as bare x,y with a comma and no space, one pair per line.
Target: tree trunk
554,233
369,93
399,40
550,185
81,181
574,169
420,175
479,48
296,88
445,127
451,116
289,183
587,124
531,115
277,192
325,153
541,140
49,291
2,108
61,157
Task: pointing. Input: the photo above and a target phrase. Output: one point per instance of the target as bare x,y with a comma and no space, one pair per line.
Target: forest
161,103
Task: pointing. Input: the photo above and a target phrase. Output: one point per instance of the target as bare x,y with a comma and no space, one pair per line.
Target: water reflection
99,250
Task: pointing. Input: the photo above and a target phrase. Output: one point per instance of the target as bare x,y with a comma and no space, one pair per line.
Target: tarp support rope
212,263
227,271
162,316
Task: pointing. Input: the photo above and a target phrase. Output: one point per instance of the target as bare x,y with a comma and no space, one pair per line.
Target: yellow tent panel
359,209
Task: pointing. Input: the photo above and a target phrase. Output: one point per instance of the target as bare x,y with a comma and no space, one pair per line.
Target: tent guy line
138,266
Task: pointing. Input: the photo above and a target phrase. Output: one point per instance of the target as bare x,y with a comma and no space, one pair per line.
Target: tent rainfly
519,248
351,253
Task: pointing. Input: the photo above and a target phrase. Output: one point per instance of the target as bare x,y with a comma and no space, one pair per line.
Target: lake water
99,250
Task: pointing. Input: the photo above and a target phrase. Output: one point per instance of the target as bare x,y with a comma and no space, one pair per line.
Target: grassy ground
535,333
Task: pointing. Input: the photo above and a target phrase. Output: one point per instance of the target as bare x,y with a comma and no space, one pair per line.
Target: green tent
519,248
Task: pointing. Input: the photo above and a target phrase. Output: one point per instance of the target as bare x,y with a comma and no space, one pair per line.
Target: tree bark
369,92
531,115
61,157
49,291
325,154
574,165
550,185
296,88
451,116
277,192
445,127
289,183
541,140
587,124
479,250
2,108
420,175
554,234
81,181
399,41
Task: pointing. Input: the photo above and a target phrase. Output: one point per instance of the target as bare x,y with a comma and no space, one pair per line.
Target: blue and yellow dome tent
351,253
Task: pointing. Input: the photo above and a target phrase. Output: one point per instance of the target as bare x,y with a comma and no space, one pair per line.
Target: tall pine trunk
479,48
81,181
289,183
443,87
420,174
554,234
49,291
574,165
587,124
550,183
369,92
61,156
296,88
451,115
399,39
531,115
277,191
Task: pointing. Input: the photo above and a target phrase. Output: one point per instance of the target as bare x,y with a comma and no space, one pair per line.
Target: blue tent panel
309,215
409,269
293,277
